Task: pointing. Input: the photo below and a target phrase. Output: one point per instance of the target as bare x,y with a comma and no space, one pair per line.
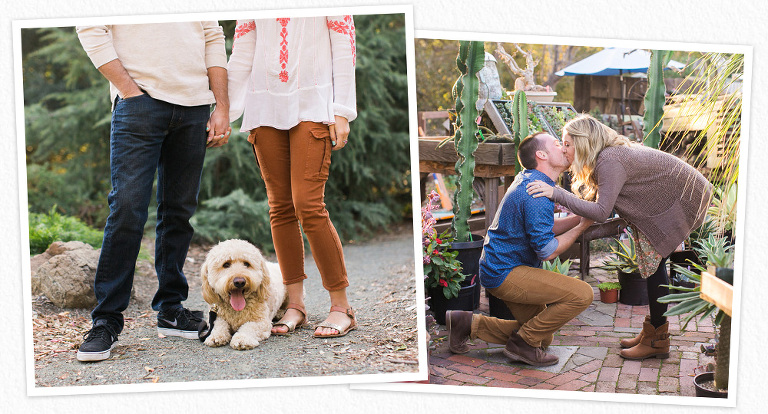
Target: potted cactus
470,61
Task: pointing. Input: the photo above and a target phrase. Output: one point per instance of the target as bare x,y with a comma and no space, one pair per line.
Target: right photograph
580,215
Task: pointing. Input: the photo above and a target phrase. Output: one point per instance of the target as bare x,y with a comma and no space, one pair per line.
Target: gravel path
382,292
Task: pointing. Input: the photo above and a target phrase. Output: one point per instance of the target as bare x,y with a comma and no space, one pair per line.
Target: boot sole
663,355
515,357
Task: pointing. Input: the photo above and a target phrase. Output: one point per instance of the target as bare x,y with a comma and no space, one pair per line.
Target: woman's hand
339,133
539,188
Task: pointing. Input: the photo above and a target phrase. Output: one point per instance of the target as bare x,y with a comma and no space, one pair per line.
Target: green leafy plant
557,266
45,229
624,257
609,286
441,268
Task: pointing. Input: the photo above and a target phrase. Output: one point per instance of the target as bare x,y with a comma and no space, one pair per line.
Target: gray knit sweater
664,197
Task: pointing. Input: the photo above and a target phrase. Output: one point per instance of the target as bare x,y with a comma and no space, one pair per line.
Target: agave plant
718,253
624,258
557,266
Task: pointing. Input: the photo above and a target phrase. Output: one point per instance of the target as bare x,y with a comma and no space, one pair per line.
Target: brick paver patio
588,348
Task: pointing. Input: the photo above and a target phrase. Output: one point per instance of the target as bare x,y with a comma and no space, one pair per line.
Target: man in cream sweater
163,79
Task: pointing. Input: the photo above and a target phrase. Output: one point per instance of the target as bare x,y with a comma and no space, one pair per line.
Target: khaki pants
542,301
294,165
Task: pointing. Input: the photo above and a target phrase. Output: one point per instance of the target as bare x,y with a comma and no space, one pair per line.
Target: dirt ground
382,292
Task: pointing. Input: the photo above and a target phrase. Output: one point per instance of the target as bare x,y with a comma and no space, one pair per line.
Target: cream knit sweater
169,61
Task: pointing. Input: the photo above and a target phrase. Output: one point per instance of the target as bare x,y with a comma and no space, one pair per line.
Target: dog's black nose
239,282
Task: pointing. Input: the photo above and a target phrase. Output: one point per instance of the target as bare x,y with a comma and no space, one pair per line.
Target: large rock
66,278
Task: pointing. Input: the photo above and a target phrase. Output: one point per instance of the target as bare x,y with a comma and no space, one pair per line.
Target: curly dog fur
246,290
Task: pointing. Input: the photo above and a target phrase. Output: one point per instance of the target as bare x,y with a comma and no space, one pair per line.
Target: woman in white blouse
293,82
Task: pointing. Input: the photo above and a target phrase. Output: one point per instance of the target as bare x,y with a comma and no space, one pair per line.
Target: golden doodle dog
244,290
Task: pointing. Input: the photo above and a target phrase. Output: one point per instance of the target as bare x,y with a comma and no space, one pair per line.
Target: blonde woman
293,81
662,197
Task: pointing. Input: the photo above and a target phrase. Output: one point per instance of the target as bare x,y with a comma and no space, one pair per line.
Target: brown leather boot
654,343
630,342
519,350
459,324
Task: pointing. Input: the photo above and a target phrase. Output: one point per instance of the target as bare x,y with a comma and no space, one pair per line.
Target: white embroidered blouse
287,70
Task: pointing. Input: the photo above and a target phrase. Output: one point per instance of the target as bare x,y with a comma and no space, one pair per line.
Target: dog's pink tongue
237,300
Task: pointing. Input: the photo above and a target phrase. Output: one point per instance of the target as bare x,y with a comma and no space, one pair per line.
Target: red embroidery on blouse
243,28
345,27
283,76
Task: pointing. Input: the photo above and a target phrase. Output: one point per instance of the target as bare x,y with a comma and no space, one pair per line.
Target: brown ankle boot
519,350
459,324
630,342
654,343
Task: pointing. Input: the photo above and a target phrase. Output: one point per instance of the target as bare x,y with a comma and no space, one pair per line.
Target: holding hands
218,128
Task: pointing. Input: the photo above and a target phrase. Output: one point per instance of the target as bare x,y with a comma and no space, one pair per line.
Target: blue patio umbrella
615,61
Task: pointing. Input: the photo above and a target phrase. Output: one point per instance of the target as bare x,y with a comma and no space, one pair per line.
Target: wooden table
492,161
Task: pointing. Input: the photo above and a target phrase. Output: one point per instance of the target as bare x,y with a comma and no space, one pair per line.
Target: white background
701,21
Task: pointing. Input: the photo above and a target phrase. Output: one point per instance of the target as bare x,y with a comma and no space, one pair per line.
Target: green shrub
234,216
45,229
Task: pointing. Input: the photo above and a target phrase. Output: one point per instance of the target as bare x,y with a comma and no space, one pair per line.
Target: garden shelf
717,292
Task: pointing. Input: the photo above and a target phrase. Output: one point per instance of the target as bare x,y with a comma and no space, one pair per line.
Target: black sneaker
179,322
98,343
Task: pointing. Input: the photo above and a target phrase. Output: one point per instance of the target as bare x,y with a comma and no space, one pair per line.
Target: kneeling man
523,234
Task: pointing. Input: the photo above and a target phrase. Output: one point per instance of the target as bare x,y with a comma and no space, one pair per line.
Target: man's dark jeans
149,135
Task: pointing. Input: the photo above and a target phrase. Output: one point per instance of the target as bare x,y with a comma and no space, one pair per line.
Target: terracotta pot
609,296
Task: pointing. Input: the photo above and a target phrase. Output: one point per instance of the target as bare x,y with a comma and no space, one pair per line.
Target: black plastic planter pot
469,256
438,304
701,391
497,308
634,290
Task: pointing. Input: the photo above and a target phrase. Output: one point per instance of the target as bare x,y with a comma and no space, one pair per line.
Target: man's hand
585,222
218,128
218,124
339,133
115,72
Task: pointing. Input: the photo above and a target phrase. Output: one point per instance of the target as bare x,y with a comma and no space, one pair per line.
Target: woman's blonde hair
589,136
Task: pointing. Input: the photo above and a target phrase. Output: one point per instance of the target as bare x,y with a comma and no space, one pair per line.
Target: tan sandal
342,331
290,324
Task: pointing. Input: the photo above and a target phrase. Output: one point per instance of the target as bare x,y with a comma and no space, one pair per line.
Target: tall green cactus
654,99
519,122
470,60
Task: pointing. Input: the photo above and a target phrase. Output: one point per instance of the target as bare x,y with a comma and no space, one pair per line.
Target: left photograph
220,200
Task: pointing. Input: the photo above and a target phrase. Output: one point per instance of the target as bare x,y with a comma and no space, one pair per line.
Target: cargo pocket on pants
318,155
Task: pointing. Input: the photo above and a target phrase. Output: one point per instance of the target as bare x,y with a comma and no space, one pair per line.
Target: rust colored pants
294,165
541,301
